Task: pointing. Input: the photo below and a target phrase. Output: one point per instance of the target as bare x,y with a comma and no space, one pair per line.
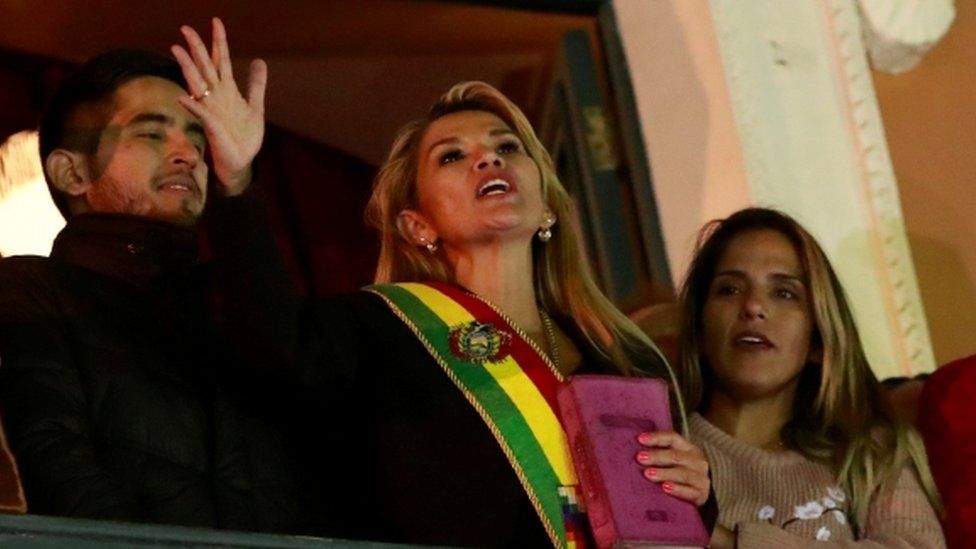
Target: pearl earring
430,245
545,231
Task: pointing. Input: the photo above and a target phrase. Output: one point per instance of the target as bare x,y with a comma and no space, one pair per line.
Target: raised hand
677,464
234,125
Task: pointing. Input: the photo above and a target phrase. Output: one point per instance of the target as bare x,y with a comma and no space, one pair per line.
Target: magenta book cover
602,416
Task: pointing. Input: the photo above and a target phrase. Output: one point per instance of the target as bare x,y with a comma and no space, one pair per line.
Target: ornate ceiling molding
877,173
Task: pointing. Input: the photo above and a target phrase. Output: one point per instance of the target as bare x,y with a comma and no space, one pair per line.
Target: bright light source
29,220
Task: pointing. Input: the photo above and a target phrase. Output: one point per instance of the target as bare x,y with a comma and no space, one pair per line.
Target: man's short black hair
92,83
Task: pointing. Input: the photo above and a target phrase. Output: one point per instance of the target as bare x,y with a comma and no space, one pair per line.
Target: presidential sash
512,385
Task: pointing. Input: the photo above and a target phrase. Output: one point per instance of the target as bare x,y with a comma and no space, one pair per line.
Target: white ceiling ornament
898,33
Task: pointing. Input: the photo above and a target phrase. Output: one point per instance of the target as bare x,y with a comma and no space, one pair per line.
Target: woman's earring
545,231
430,245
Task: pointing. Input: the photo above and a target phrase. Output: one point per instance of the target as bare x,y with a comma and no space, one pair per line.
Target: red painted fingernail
667,487
650,473
644,438
643,456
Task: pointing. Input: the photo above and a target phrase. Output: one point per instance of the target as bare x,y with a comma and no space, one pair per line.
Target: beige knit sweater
782,500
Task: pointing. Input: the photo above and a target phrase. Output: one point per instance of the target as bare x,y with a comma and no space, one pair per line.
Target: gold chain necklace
550,337
549,360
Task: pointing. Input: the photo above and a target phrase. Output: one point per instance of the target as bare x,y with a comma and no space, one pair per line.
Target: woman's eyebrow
454,140
730,272
779,277
445,141
501,131
787,277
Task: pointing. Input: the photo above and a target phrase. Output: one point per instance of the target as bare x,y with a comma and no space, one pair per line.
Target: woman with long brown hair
802,445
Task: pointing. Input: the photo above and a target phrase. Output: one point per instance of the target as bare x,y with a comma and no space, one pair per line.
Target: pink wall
930,120
685,111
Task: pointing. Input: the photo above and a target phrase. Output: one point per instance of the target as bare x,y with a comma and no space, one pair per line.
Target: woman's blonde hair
840,417
563,280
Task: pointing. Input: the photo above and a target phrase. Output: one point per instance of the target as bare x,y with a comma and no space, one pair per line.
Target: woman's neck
501,273
757,422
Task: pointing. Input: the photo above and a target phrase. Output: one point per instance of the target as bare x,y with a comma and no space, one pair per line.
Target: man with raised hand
111,383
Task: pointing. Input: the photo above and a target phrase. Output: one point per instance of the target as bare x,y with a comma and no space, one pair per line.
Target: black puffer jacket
112,391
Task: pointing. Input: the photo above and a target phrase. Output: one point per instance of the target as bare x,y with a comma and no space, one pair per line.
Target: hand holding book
608,421
676,464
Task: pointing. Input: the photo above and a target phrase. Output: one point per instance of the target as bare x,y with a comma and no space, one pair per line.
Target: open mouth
177,187
752,340
493,187
180,185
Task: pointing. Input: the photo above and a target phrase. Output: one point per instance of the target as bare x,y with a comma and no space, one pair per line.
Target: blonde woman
802,446
431,412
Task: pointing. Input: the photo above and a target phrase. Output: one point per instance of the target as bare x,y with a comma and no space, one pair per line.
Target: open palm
234,125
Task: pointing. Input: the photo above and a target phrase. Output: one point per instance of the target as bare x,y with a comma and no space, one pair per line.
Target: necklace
550,337
550,363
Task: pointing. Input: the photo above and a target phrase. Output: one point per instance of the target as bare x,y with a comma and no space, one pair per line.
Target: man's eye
449,157
151,135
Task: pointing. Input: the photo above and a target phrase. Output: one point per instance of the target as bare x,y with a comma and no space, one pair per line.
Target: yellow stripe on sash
520,389
540,417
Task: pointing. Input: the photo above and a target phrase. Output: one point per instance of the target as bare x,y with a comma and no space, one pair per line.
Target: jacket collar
141,251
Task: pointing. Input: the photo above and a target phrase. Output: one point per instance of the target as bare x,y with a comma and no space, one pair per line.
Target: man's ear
68,171
415,228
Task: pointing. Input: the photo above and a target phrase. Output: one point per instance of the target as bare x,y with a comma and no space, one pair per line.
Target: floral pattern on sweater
829,506
782,499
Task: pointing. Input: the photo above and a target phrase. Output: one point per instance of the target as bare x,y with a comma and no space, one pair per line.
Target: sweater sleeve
897,518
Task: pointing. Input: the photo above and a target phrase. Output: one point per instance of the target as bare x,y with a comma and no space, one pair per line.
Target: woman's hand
677,464
234,126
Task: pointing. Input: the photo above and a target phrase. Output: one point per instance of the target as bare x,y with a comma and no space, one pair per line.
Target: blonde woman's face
757,319
476,182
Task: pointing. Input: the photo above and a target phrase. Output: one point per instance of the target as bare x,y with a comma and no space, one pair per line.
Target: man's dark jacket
115,394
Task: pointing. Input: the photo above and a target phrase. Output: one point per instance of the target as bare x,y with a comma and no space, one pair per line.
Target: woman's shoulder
360,308
354,331
362,300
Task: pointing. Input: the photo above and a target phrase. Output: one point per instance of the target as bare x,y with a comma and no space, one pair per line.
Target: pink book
602,416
